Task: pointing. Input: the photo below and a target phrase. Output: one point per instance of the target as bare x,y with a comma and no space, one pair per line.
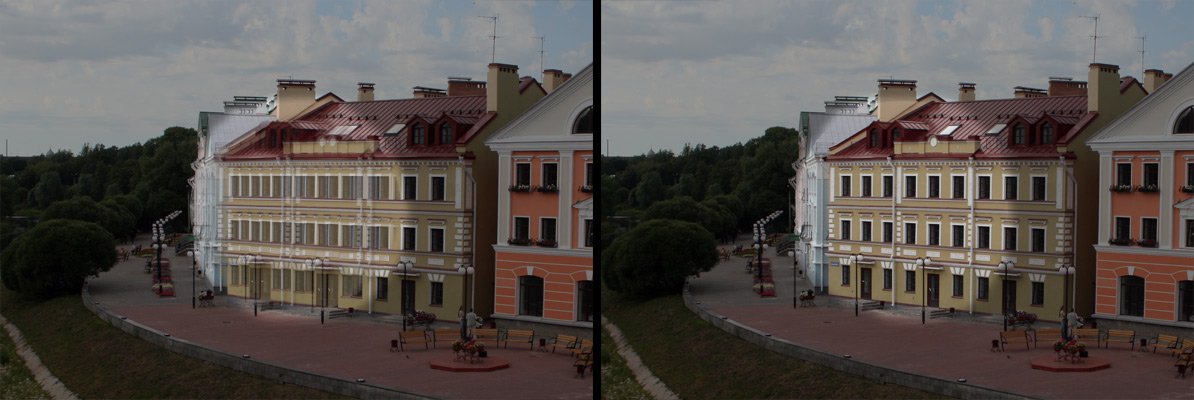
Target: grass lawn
16,382
698,361
96,360
617,382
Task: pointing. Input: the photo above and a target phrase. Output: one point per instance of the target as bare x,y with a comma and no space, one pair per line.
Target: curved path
645,378
946,349
47,380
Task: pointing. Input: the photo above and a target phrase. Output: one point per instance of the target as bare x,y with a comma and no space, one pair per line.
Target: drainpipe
1069,173
970,195
468,172
894,179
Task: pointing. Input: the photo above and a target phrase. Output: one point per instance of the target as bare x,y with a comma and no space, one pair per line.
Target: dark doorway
1009,296
865,283
408,297
934,290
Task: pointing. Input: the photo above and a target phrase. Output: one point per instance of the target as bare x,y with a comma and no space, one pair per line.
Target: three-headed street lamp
315,264
760,235
1065,310
852,262
466,270
405,265
1005,265
921,263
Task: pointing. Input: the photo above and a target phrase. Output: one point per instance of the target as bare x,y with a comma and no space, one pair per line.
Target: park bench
270,305
566,341
1047,335
585,346
1088,334
1120,335
1185,360
1169,342
450,335
585,361
1013,338
206,299
484,334
520,336
411,337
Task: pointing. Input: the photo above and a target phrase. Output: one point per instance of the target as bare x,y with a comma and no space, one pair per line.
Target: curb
642,374
47,380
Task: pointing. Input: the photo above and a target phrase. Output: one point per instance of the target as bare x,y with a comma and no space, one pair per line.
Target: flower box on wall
589,189
547,189
520,188
1121,188
1148,189
545,243
1147,243
519,241
1120,241
1188,189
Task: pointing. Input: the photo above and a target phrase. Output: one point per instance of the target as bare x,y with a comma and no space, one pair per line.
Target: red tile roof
974,119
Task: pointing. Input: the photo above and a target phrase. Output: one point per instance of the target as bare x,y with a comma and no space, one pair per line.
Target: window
958,235
327,234
895,133
549,175
1190,174
1009,238
522,228
1123,174
957,284
984,237
910,232
437,293
874,138
1038,188
1185,301
379,237
845,235
1038,293
304,280
408,238
1018,134
1185,121
1131,295
445,134
418,136
437,240
984,187
410,187
887,226
351,285
584,301
1148,232
934,187
1150,174
1011,189
379,188
1123,228
1038,240
845,186
934,235
353,187
437,188
984,288
866,231
866,186
589,174
845,275
547,232
909,281
530,296
887,185
584,122
910,186
383,288
1190,233
887,275
588,233
959,187
1046,133
522,174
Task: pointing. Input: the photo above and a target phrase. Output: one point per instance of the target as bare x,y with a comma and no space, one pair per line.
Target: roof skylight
395,129
948,130
996,129
343,130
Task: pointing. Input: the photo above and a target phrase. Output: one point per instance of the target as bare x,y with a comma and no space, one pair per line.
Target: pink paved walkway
943,348
348,348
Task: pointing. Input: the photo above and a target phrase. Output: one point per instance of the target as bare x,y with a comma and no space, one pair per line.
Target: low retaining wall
882,374
246,365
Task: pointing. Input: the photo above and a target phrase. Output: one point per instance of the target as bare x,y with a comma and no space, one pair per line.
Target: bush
55,257
655,257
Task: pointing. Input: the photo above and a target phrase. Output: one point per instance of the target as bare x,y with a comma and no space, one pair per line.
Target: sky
121,72
720,73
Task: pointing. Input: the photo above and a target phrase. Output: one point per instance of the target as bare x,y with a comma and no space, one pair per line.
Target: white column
1165,222
1104,197
564,224
503,206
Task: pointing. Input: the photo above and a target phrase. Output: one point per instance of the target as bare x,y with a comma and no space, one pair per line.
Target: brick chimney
465,86
501,86
1153,78
1065,86
895,96
552,79
364,91
1103,86
965,91
294,95
421,92
1022,92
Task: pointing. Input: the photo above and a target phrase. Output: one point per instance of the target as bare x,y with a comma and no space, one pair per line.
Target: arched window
417,135
530,296
1018,134
1185,121
1131,295
445,134
875,138
1046,133
584,122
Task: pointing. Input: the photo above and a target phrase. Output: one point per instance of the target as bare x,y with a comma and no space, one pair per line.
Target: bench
483,334
1168,342
585,346
1013,338
1120,335
520,336
585,361
1049,335
1185,360
1088,334
450,335
270,305
566,341
411,337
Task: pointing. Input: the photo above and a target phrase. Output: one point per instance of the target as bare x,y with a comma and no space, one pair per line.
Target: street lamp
466,270
1065,330
191,253
405,265
922,263
1005,265
157,246
851,262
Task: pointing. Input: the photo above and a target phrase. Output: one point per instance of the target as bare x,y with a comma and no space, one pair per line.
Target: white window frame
864,232
990,186
1003,237
893,185
929,236
431,239
402,237
1032,187
1003,186
864,186
951,235
929,187
842,223
965,186
1044,234
990,236
431,186
416,185
915,226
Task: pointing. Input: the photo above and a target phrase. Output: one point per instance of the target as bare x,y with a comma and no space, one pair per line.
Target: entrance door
865,282
1009,296
259,283
934,290
408,297
327,291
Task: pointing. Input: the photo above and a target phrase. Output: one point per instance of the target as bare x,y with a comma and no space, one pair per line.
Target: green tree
85,209
55,257
48,190
655,257
649,190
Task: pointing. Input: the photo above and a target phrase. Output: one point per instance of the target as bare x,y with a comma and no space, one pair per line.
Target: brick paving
347,348
946,348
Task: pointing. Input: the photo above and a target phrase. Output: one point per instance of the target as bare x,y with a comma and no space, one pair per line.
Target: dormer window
417,135
875,138
445,134
1018,134
1185,122
1046,133
584,122
895,133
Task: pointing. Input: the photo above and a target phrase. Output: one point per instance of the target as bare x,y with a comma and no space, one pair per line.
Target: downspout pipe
971,194
468,173
894,179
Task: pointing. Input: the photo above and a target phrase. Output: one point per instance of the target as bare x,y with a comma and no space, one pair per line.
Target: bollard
254,309
321,317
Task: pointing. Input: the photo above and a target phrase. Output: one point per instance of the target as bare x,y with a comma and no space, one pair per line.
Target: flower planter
482,354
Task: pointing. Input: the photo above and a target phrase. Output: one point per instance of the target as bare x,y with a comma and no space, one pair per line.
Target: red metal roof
974,119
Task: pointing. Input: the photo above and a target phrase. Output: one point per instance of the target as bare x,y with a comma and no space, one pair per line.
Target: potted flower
468,348
1021,318
1121,188
1069,348
520,188
1149,188
1188,189
589,188
548,189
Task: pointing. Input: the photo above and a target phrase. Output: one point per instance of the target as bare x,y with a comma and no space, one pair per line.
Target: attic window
996,129
584,123
445,134
874,138
949,130
1018,134
343,130
395,129
1185,122
417,135
1046,133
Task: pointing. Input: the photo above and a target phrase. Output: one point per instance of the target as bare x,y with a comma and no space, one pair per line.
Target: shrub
655,257
55,257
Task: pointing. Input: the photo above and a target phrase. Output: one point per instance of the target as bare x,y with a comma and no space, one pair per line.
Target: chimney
465,86
895,96
364,91
1066,86
552,79
502,85
1103,86
1027,92
965,91
294,95
569,76
426,92
1153,78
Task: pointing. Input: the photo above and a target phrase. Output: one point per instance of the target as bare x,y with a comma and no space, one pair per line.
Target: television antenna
494,36
1142,37
1095,46
541,40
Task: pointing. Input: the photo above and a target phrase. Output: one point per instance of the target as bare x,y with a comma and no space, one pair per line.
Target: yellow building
971,205
376,205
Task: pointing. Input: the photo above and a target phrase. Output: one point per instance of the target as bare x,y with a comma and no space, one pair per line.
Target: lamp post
850,263
759,256
465,270
1065,309
921,263
191,253
1005,265
405,270
157,246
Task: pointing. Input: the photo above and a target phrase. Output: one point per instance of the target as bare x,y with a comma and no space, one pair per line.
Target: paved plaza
347,348
945,348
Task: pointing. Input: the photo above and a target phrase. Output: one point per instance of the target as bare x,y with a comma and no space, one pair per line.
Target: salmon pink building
1145,268
544,250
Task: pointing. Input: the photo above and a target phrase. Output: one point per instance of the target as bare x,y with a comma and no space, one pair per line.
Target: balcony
1150,188
547,189
1121,188
589,188
520,188
545,243
516,241
1121,241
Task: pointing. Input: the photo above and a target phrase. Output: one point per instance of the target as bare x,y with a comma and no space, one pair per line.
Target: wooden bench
483,334
1168,342
412,337
1185,360
1119,335
585,346
1013,338
1048,335
520,336
1088,334
450,335
585,361
565,341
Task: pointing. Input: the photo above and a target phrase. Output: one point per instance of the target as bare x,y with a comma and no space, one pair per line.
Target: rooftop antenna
1142,55
1095,46
494,36
541,40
